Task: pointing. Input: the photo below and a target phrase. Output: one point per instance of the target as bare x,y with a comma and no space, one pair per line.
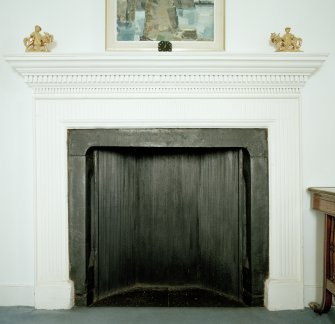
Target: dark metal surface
254,140
168,216
177,210
164,296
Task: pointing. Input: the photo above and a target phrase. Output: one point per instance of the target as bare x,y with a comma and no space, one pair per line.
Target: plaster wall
78,27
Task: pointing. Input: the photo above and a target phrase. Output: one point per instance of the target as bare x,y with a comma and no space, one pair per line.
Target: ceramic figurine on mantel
286,43
37,42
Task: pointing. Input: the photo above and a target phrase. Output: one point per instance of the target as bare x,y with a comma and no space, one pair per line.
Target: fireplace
167,90
169,213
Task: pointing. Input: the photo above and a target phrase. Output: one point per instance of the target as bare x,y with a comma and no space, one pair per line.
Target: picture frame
198,27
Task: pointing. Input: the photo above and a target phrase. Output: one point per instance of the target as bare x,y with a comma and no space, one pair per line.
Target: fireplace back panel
167,217
168,207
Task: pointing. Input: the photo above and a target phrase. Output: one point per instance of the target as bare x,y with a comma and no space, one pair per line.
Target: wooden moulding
323,199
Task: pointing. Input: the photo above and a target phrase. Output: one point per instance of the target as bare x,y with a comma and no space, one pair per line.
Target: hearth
168,217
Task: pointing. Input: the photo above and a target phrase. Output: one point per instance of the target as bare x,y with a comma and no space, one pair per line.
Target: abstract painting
190,24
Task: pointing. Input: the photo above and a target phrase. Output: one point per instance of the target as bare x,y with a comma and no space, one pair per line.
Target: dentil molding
177,73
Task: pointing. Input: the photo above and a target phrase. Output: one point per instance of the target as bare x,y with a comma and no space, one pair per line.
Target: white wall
78,26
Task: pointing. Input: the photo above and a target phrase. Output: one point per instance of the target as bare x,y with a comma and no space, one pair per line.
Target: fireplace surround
167,90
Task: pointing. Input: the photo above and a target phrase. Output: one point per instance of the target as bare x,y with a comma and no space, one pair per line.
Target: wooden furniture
323,199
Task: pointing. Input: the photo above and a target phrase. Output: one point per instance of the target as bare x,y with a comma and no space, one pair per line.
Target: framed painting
187,24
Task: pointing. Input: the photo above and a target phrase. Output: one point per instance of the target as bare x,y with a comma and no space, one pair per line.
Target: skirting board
283,295
312,293
16,295
19,295
57,295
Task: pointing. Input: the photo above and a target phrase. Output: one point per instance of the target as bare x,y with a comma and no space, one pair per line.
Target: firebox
168,217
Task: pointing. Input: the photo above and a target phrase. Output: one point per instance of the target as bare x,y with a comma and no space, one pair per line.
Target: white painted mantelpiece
122,90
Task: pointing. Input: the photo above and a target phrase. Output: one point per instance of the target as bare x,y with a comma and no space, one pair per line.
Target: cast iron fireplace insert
168,217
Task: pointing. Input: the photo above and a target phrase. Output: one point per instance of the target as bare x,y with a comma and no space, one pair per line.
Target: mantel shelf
153,72
299,62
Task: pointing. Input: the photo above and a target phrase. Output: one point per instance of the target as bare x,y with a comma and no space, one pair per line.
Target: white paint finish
55,116
149,69
79,77
313,20
16,194
17,295
249,23
78,26
318,116
54,295
175,74
311,293
283,294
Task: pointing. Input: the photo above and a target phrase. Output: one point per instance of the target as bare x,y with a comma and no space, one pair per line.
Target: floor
125,315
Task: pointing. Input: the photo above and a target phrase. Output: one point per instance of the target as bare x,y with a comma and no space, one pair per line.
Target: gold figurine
37,42
287,43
